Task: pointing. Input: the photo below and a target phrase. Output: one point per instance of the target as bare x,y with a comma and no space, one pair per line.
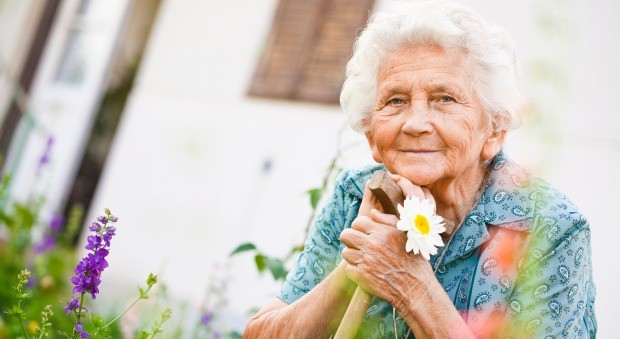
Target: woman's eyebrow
443,86
393,89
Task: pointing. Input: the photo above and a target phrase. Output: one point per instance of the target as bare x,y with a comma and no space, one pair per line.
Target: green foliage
46,315
157,327
19,313
243,248
315,196
263,262
259,260
276,267
100,328
40,294
73,225
150,281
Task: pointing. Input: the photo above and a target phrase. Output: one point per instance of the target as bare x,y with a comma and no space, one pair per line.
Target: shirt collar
506,202
353,182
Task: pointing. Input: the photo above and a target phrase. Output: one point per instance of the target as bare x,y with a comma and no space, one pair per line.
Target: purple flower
72,305
94,242
47,244
45,157
80,330
50,236
94,227
206,318
88,271
57,223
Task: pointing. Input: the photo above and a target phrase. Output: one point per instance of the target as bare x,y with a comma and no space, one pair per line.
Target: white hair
449,25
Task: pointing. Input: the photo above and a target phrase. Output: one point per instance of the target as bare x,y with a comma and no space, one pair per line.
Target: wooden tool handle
353,316
387,192
389,196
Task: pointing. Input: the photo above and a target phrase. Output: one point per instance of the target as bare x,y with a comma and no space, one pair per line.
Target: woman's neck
455,197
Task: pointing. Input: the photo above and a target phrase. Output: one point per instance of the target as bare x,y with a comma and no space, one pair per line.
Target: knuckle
359,222
346,253
391,220
346,258
396,236
366,261
344,235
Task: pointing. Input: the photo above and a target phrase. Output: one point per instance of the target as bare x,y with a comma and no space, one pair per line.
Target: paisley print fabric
519,265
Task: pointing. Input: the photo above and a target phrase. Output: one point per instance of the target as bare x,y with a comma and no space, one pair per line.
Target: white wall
185,173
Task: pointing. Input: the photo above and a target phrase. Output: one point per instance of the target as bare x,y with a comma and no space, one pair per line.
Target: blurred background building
202,124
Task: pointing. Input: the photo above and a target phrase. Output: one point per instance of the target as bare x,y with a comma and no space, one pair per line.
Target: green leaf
64,334
151,280
315,196
232,335
276,266
243,248
297,249
166,315
260,261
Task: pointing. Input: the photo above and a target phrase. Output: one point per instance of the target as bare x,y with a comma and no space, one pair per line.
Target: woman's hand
375,252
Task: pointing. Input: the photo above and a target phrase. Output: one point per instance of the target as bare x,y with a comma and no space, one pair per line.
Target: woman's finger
363,223
352,238
369,201
382,218
353,272
429,196
409,189
352,256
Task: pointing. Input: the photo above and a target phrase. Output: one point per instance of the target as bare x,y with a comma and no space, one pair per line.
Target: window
307,49
73,61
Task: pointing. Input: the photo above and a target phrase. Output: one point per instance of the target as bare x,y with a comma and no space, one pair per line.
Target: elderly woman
434,90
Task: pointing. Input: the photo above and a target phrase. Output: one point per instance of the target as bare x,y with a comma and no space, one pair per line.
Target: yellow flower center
422,224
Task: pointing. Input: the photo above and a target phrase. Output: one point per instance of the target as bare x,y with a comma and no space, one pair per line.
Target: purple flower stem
79,314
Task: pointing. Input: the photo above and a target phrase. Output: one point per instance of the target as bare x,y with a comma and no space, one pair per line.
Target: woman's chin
419,176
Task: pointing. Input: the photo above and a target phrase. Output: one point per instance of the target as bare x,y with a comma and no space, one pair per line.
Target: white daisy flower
423,226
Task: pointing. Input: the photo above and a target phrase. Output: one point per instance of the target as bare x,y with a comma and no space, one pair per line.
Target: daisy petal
422,238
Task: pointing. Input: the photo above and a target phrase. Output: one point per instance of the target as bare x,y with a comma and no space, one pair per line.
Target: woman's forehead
428,67
430,64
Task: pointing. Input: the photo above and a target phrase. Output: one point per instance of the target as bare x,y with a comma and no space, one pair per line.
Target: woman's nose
418,119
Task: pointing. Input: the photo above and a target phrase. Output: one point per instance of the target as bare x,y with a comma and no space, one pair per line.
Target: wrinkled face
428,125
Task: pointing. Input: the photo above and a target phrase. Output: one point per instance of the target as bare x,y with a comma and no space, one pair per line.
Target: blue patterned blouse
542,290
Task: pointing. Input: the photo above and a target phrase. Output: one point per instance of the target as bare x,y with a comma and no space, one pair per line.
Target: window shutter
307,49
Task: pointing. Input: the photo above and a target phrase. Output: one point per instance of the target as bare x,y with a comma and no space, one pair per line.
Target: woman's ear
373,146
493,144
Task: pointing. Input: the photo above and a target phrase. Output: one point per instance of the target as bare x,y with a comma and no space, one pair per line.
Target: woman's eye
396,101
446,98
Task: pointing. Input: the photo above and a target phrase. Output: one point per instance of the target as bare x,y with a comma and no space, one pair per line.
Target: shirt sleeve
554,294
322,248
